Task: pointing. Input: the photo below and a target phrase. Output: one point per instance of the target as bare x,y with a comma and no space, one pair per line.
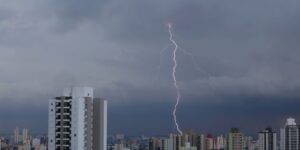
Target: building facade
289,135
235,140
267,140
16,135
77,121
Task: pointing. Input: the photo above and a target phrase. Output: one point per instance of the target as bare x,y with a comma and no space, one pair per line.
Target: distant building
160,144
119,147
21,138
188,141
16,135
36,142
187,146
289,136
165,144
235,140
209,142
40,147
267,140
26,146
195,139
25,135
177,141
250,144
200,142
220,143
77,121
154,144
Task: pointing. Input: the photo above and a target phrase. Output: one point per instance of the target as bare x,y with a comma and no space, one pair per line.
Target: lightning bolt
174,77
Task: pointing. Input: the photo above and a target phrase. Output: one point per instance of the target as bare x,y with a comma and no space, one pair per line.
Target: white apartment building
77,121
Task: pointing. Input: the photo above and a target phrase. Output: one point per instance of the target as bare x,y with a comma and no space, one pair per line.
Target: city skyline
234,139
214,131
238,62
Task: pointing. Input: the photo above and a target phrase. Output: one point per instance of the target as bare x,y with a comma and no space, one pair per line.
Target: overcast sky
241,67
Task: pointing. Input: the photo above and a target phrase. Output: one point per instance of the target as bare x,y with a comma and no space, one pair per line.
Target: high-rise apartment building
77,121
220,143
250,143
209,142
289,135
25,135
177,141
16,135
165,143
187,146
187,141
201,141
235,140
267,140
197,140
160,143
154,144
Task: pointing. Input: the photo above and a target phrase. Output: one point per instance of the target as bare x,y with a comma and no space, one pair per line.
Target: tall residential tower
289,135
267,140
77,121
235,140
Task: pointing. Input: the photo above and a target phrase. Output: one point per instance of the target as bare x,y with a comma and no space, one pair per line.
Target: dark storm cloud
238,52
69,14
250,114
5,14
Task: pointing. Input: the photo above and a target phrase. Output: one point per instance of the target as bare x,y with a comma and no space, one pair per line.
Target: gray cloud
239,49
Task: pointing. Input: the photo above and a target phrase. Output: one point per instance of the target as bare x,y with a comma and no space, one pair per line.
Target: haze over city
241,69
